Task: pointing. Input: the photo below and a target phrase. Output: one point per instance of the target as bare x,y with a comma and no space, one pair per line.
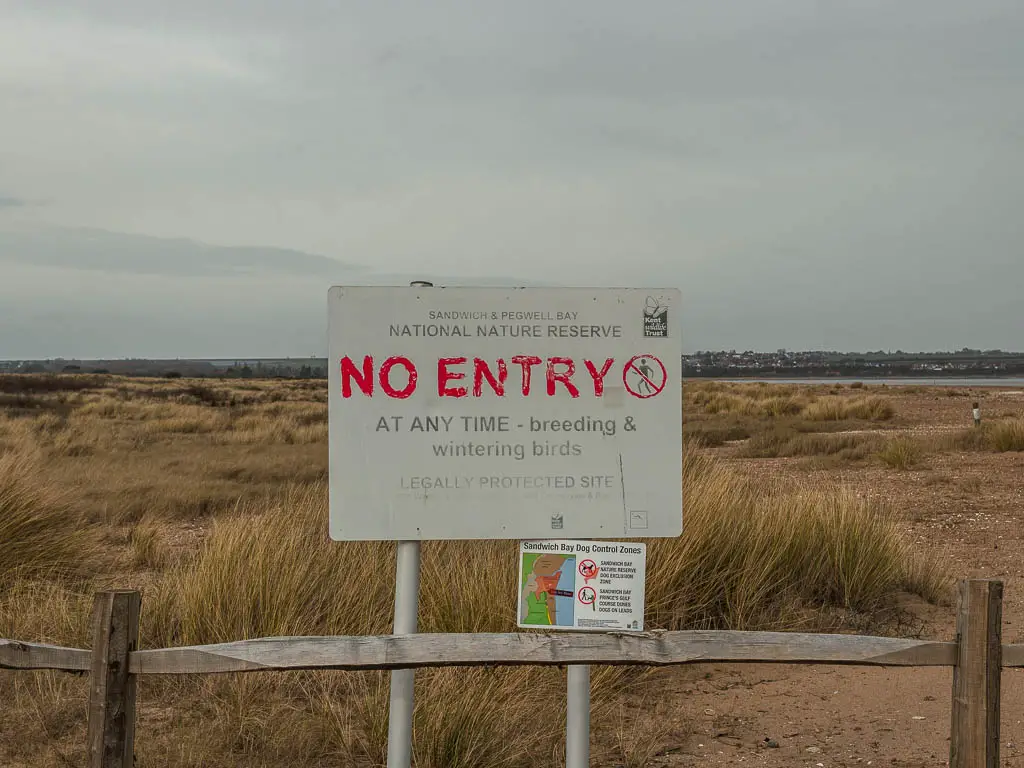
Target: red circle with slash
652,388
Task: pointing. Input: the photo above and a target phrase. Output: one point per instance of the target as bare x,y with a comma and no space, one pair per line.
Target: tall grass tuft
1008,435
41,533
753,556
148,547
714,435
872,408
1000,436
779,402
784,442
900,453
269,569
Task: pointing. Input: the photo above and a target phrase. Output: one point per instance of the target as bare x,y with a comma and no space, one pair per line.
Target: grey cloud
94,249
12,202
115,309
120,253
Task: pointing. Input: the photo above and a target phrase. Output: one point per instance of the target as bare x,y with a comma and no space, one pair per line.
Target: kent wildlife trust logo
655,318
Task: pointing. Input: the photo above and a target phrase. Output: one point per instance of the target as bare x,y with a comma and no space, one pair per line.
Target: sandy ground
970,508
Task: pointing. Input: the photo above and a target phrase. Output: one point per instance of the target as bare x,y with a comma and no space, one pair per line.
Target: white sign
594,585
492,413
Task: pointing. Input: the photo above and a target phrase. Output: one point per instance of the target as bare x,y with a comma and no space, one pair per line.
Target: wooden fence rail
473,650
114,663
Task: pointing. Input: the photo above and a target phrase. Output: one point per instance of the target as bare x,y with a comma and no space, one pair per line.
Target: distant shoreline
848,377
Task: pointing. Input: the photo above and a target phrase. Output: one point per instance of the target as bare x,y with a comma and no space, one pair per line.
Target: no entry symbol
587,595
588,569
644,376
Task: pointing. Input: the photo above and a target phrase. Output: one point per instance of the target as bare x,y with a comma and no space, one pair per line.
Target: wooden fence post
974,737
115,633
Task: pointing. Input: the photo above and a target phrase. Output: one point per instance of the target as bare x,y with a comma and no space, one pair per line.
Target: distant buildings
783,363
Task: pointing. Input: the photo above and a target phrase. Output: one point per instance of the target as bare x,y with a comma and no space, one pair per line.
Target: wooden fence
114,663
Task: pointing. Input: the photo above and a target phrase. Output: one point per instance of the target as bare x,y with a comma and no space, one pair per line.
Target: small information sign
582,585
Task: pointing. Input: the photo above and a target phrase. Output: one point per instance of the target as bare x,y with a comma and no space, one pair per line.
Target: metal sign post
407,592
577,718
403,681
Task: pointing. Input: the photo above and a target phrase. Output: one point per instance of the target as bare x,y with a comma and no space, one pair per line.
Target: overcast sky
187,178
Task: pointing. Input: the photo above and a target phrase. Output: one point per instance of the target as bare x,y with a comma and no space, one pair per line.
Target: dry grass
901,453
1000,436
268,569
873,408
41,533
46,611
715,434
774,401
784,442
757,557
149,549
212,498
780,421
746,561
1008,435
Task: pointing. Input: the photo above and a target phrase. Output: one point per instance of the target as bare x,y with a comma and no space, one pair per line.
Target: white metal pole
407,591
577,721
403,681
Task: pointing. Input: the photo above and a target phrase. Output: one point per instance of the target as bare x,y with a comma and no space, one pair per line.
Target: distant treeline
275,372
177,369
